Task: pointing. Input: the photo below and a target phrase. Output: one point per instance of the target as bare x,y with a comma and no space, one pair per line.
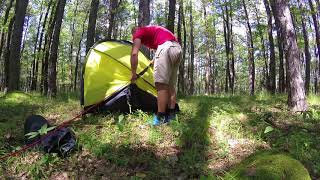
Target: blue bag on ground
62,141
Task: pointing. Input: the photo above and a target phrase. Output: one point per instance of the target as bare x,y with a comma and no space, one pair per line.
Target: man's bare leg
163,96
172,98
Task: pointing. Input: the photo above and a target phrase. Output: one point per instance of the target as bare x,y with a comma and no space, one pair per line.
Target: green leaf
50,128
120,118
31,133
268,129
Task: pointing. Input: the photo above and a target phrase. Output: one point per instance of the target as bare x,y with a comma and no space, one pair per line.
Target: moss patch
268,165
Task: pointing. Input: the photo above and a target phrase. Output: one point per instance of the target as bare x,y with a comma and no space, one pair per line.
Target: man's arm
134,58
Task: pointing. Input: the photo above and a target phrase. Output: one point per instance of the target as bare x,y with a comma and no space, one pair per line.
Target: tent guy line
66,123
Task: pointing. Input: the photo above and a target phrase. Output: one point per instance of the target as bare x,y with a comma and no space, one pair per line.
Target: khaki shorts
166,63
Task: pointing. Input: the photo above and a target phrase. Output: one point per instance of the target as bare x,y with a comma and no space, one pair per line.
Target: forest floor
211,135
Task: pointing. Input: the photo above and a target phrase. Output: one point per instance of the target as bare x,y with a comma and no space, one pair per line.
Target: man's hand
134,77
152,63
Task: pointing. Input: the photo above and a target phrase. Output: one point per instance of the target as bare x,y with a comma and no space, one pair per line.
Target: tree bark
316,29
191,52
306,49
171,15
272,63
232,68
144,13
296,92
3,40
52,79
73,31
92,24
112,12
250,52
144,20
207,48
181,20
15,45
46,50
33,85
75,82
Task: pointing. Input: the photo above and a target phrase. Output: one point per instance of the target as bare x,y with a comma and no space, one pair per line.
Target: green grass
211,135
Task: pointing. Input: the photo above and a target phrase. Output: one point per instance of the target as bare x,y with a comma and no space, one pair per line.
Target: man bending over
166,62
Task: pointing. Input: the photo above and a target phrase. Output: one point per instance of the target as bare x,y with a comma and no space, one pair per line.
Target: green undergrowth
211,135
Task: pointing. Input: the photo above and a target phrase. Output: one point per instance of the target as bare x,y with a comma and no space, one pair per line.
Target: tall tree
272,63
52,79
316,29
73,32
144,20
15,45
296,92
46,50
250,51
33,85
263,47
112,12
226,33
306,49
75,82
144,13
92,24
191,90
207,49
171,15
181,21
3,39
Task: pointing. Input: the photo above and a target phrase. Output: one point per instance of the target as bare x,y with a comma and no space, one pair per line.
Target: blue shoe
157,120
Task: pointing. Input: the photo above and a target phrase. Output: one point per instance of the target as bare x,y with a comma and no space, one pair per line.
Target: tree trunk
191,52
306,49
317,31
25,34
3,40
171,16
232,68
7,53
181,67
144,20
75,82
144,13
33,86
5,19
213,69
46,50
15,45
250,52
73,31
296,92
226,33
112,12
52,84
272,63
92,24
208,57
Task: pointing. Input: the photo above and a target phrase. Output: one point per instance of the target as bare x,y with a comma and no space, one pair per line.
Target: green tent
106,79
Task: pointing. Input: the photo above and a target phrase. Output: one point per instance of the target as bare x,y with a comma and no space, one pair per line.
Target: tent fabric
106,76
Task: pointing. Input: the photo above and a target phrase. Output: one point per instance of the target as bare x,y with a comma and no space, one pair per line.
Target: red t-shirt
152,36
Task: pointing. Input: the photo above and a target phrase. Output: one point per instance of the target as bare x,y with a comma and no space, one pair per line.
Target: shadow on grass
194,140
